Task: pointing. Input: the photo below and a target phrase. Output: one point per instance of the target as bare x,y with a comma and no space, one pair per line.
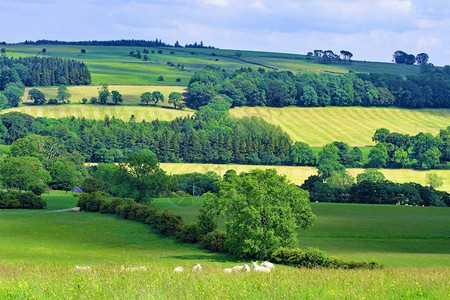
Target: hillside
114,65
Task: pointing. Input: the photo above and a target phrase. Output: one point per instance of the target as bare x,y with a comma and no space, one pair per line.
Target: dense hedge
313,258
15,199
168,224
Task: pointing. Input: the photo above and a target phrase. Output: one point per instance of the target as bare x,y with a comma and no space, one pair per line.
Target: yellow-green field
299,174
318,126
97,112
131,93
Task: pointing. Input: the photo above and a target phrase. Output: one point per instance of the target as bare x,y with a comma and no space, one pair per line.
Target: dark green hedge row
168,224
313,258
15,199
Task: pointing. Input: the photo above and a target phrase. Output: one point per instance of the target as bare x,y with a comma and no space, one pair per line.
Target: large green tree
262,212
14,95
37,96
24,173
63,94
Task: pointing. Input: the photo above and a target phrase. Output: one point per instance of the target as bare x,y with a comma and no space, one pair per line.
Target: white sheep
260,268
268,265
240,268
141,268
197,267
228,270
83,268
178,269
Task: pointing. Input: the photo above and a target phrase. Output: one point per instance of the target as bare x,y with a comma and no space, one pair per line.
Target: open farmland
318,126
300,174
39,250
113,65
131,93
98,112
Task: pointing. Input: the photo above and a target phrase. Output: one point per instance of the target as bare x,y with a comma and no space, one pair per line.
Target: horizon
372,31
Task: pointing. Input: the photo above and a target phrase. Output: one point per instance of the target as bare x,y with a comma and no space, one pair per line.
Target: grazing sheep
83,268
141,268
178,269
260,268
238,268
268,265
197,267
228,270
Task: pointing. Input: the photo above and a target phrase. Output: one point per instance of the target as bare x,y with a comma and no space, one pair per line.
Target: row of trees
329,57
175,98
42,71
423,151
245,87
38,97
123,42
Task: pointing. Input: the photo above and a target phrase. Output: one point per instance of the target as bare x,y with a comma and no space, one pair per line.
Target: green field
113,65
131,93
39,250
354,125
299,174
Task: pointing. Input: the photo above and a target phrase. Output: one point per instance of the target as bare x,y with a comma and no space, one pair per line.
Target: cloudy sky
370,29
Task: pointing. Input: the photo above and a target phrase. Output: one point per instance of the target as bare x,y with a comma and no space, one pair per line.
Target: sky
371,29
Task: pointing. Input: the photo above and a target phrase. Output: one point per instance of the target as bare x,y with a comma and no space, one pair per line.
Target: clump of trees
245,87
329,57
401,57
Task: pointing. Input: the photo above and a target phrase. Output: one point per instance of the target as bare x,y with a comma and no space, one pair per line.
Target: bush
215,241
313,258
168,224
190,233
26,200
90,185
30,201
123,210
91,202
52,101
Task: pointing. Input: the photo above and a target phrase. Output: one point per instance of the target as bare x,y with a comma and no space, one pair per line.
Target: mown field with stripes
354,125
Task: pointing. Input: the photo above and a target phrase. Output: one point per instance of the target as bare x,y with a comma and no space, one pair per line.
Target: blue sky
370,29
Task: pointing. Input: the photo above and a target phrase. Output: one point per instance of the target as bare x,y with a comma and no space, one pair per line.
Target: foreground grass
299,174
39,249
354,125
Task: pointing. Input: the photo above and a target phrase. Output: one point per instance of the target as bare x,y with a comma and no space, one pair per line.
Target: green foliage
301,154
64,176
90,185
103,94
175,99
215,241
63,94
313,258
190,233
371,175
116,97
26,200
328,161
24,173
378,156
262,211
14,95
37,96
433,180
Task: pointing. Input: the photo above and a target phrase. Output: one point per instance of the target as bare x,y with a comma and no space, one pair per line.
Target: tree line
246,87
42,71
122,42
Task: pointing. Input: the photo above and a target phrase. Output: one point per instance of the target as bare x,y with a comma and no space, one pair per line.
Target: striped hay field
318,126
97,112
299,174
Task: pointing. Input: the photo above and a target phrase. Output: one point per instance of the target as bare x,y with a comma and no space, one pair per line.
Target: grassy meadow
300,174
354,125
131,93
39,250
113,65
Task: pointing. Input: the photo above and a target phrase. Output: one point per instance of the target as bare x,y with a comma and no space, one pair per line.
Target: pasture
299,174
114,65
354,125
39,250
131,93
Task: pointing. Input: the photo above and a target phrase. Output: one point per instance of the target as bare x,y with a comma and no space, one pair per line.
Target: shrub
178,79
90,185
91,202
215,241
168,224
52,101
30,201
190,233
123,210
160,78
27,200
